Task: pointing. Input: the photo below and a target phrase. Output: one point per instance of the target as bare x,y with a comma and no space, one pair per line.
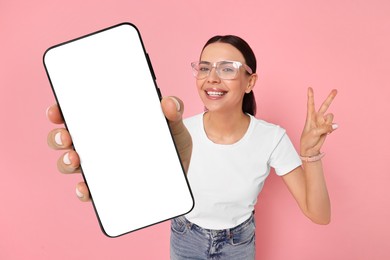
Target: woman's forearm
317,197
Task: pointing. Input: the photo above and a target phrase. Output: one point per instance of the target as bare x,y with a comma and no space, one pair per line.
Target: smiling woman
231,148
339,44
230,154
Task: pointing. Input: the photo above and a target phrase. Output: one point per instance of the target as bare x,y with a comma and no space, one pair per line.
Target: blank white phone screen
109,100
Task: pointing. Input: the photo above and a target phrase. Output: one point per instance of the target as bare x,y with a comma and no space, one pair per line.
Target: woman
232,153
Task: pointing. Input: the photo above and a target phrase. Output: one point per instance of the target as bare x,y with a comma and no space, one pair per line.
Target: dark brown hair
249,102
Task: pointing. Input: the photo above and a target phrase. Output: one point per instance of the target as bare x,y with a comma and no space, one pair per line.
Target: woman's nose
213,76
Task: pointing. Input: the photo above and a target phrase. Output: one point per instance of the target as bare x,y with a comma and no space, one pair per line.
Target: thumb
173,110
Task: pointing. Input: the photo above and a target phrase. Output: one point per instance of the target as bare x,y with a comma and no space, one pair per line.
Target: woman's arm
308,187
307,183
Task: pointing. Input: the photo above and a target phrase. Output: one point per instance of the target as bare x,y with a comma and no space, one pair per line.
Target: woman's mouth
216,93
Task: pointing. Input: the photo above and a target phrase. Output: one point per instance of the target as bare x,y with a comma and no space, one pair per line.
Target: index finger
324,107
310,103
54,115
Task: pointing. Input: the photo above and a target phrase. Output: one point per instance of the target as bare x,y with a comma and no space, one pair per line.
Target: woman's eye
228,69
204,69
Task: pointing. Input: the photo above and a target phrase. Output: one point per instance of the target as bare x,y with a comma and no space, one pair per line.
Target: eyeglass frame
215,64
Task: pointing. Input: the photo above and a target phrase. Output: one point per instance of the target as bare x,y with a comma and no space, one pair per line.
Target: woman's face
221,95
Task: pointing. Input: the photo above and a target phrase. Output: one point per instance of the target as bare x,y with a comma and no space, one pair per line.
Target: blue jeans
189,241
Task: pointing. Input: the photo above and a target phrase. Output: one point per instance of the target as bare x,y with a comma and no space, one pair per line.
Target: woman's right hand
69,161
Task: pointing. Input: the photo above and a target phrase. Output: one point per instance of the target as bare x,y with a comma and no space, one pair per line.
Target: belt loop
229,233
188,223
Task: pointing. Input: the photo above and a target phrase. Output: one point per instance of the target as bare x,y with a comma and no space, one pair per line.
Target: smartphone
106,90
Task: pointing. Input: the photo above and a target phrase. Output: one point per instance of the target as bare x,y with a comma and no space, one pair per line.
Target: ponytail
249,104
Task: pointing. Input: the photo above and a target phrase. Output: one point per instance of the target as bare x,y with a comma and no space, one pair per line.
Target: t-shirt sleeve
284,157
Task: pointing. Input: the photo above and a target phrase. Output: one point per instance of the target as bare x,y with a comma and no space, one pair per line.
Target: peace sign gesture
318,125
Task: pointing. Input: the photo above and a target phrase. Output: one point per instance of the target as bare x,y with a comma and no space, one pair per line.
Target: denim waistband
215,232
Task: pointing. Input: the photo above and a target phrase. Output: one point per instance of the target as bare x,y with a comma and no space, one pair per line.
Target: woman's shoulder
265,125
194,119
265,131
193,122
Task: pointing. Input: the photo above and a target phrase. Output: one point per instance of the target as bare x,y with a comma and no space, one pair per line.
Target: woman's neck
225,128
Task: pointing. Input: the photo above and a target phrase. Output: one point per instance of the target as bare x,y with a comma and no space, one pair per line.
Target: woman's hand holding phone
69,162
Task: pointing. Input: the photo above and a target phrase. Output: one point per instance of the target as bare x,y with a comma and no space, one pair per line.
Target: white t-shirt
227,179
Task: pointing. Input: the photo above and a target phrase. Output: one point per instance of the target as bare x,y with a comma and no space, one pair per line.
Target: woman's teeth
215,93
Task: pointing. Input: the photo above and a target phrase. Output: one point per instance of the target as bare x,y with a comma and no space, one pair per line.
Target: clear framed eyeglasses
224,69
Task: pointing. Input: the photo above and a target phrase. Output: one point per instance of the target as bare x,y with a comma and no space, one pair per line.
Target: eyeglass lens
224,70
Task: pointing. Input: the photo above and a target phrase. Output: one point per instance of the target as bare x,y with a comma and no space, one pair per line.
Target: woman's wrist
312,158
308,152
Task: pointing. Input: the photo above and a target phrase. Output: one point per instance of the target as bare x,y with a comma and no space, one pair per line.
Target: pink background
341,44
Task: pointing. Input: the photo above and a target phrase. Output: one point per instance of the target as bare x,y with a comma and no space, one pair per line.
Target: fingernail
66,159
335,126
176,102
57,138
79,194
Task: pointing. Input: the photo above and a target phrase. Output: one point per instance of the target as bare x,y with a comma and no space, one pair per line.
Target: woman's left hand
318,125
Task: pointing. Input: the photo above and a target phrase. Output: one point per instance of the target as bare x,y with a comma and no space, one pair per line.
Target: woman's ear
251,83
